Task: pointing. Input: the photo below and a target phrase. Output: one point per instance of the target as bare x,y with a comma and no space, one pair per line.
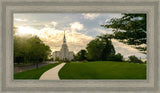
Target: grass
34,73
103,70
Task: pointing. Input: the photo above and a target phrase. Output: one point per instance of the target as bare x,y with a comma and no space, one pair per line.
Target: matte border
8,84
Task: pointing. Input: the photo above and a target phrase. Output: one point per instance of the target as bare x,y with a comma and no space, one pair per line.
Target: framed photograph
79,46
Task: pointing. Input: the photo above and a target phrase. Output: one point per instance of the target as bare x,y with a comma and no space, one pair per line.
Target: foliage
30,49
57,58
65,60
131,28
34,73
50,59
117,57
100,48
81,55
143,49
134,59
145,62
102,70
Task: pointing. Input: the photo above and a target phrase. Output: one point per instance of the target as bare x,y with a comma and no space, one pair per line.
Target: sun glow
25,30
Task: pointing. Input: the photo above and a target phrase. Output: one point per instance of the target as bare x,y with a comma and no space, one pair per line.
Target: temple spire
64,39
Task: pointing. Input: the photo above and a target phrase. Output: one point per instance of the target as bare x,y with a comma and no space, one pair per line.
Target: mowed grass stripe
34,73
103,70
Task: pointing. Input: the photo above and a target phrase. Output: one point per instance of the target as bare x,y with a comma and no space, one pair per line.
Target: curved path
52,74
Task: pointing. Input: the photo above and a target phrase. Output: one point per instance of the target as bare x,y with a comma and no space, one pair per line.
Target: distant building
64,53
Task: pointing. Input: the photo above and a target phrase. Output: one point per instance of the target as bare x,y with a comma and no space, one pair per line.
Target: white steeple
64,53
64,39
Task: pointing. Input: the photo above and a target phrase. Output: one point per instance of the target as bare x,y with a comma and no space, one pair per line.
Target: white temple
64,53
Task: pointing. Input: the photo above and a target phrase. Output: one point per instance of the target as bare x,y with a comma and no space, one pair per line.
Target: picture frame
9,7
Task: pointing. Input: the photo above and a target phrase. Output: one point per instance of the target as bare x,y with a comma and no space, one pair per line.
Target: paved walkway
21,67
52,74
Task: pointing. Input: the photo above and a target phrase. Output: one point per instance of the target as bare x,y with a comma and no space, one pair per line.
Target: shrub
117,57
65,60
145,62
134,59
57,58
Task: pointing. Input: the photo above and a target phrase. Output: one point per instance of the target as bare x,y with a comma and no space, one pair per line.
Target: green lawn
34,73
103,70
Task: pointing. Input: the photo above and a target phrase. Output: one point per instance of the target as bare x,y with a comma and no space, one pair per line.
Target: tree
95,48
81,55
100,48
57,58
134,59
129,29
117,57
108,46
30,49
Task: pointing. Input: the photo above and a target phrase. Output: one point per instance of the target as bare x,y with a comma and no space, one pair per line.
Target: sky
80,29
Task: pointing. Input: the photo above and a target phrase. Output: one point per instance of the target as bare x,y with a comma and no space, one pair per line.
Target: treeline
99,49
30,50
129,29
102,49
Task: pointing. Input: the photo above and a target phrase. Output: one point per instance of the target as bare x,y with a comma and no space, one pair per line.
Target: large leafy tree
100,48
30,49
129,29
81,55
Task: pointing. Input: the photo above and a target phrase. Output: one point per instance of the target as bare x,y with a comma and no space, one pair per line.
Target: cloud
25,30
101,31
34,20
54,23
21,20
104,31
54,37
107,20
142,45
90,16
126,50
113,15
52,34
76,26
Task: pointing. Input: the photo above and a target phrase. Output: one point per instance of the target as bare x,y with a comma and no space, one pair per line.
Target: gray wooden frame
9,7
